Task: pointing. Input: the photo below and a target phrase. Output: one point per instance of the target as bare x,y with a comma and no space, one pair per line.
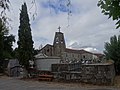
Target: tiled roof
46,46
49,45
99,54
83,51
76,51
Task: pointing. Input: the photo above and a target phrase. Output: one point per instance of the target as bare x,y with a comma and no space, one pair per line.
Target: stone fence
98,73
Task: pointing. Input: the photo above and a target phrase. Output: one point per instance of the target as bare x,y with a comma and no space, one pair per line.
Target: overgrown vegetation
112,51
6,43
112,9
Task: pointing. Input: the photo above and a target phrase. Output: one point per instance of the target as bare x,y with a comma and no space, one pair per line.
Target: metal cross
59,28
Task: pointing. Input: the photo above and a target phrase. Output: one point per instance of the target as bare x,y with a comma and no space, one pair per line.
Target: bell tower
59,43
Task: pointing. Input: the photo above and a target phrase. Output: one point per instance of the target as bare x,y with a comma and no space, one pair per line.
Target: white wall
45,63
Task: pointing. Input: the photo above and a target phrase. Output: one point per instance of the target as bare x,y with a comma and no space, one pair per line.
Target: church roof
46,46
76,51
71,50
84,51
99,54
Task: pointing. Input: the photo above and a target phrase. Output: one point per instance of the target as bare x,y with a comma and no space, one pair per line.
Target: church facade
68,55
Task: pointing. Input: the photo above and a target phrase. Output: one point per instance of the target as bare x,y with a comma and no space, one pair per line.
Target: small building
43,62
14,68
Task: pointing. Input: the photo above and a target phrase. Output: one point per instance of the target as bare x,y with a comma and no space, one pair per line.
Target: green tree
111,8
6,42
25,42
4,4
112,51
3,31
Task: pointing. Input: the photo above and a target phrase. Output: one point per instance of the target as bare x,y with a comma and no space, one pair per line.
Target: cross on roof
59,28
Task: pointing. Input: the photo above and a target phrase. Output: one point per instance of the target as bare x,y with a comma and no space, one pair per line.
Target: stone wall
99,73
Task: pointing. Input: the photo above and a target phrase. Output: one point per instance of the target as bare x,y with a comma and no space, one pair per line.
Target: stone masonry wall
100,73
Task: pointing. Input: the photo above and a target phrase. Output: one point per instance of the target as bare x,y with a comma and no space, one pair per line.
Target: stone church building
68,55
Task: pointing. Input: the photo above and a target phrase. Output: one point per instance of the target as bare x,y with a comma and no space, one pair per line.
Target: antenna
69,11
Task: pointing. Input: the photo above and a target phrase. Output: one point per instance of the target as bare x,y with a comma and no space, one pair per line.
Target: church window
47,50
84,56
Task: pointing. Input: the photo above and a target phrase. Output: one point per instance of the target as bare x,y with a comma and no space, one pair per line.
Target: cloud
57,5
86,47
88,27
93,50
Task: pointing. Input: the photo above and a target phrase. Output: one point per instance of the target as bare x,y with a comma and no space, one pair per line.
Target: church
73,65
69,55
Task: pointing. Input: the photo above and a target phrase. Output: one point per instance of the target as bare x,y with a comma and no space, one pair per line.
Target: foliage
36,51
6,42
25,42
112,51
111,8
4,4
2,30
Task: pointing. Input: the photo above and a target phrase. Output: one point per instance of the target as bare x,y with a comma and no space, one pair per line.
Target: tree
1,45
25,42
3,31
111,8
4,4
112,51
6,42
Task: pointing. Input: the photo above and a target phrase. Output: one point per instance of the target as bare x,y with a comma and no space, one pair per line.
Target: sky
87,28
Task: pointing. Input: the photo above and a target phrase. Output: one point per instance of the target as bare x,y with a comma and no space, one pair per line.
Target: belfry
59,43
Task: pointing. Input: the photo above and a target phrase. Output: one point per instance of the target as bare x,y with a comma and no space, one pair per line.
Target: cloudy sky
86,27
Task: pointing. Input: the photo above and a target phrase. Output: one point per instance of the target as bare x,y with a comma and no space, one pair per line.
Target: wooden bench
45,77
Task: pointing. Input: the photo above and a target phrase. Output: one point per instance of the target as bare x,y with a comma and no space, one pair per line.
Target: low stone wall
99,73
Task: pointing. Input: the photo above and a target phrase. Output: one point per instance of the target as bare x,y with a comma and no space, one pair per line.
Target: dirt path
7,83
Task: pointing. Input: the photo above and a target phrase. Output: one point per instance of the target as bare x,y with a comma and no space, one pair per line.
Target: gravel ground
8,83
